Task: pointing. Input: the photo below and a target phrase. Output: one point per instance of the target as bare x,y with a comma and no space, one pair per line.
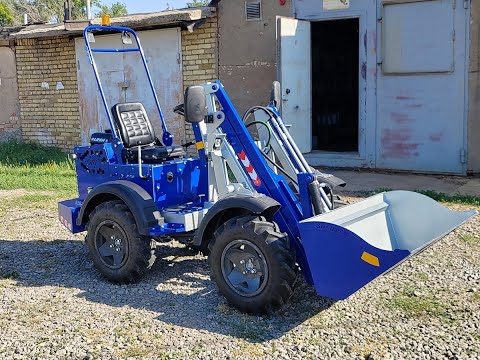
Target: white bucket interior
397,220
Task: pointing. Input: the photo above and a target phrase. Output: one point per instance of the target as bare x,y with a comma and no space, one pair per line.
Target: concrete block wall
199,58
48,94
247,51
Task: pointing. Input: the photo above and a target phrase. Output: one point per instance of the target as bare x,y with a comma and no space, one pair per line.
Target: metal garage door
9,105
421,86
124,80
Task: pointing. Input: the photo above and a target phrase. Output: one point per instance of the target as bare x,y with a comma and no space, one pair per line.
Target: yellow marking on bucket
370,259
199,145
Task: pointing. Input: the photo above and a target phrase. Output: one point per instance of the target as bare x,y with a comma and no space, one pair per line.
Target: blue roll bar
167,137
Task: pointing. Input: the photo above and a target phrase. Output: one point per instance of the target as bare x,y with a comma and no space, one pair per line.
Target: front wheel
252,264
115,246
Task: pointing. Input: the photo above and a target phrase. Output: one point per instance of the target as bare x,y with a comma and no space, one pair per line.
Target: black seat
135,128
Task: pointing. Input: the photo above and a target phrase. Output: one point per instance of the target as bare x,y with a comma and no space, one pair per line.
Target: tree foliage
117,9
6,14
197,3
53,10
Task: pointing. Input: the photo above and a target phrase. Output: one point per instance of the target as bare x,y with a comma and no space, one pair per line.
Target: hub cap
111,244
244,268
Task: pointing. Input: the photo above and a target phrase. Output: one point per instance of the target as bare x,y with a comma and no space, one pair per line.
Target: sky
142,6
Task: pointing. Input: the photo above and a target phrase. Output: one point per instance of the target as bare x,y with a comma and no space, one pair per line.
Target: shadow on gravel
178,288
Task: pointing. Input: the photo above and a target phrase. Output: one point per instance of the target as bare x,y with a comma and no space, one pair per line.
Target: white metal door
110,67
294,59
124,80
163,53
421,86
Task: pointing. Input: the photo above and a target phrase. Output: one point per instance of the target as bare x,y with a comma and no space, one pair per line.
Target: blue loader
248,200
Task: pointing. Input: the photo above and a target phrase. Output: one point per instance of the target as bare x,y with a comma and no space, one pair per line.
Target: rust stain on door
396,143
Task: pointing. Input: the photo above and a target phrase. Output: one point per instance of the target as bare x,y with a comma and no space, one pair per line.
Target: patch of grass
470,239
37,201
456,199
476,336
10,275
136,352
417,306
35,167
374,191
33,198
250,330
197,350
421,276
437,196
18,153
248,351
6,283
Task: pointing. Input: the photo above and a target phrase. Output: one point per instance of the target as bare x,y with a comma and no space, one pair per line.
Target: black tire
136,252
272,259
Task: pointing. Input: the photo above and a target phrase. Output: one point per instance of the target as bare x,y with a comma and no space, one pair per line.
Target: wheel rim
111,244
244,268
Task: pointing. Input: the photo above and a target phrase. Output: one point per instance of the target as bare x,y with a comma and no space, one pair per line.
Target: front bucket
349,247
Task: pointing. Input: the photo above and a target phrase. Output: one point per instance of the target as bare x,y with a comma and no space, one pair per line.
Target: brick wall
47,86
199,56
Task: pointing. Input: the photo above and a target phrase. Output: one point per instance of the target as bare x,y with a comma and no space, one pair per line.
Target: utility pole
89,10
67,7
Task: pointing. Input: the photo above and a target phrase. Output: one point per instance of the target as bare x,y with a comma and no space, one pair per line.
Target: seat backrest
132,121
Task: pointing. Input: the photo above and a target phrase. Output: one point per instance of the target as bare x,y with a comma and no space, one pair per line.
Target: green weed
417,306
136,352
197,350
18,153
374,191
437,196
11,275
470,239
457,199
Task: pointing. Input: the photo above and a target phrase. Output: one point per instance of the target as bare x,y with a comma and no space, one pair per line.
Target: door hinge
463,156
179,58
454,4
466,4
453,35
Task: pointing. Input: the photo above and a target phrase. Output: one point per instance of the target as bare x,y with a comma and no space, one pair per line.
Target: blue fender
137,199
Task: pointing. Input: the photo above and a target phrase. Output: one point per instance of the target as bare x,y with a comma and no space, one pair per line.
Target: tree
37,10
117,9
53,11
197,3
6,14
79,8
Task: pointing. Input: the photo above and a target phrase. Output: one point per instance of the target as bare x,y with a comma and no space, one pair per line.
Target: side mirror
276,95
195,104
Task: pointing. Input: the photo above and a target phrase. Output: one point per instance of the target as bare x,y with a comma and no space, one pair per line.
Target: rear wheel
115,246
252,264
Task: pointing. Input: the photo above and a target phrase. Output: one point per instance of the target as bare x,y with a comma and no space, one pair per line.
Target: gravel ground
54,305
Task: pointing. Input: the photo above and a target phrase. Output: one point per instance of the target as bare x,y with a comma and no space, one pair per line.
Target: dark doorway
335,82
